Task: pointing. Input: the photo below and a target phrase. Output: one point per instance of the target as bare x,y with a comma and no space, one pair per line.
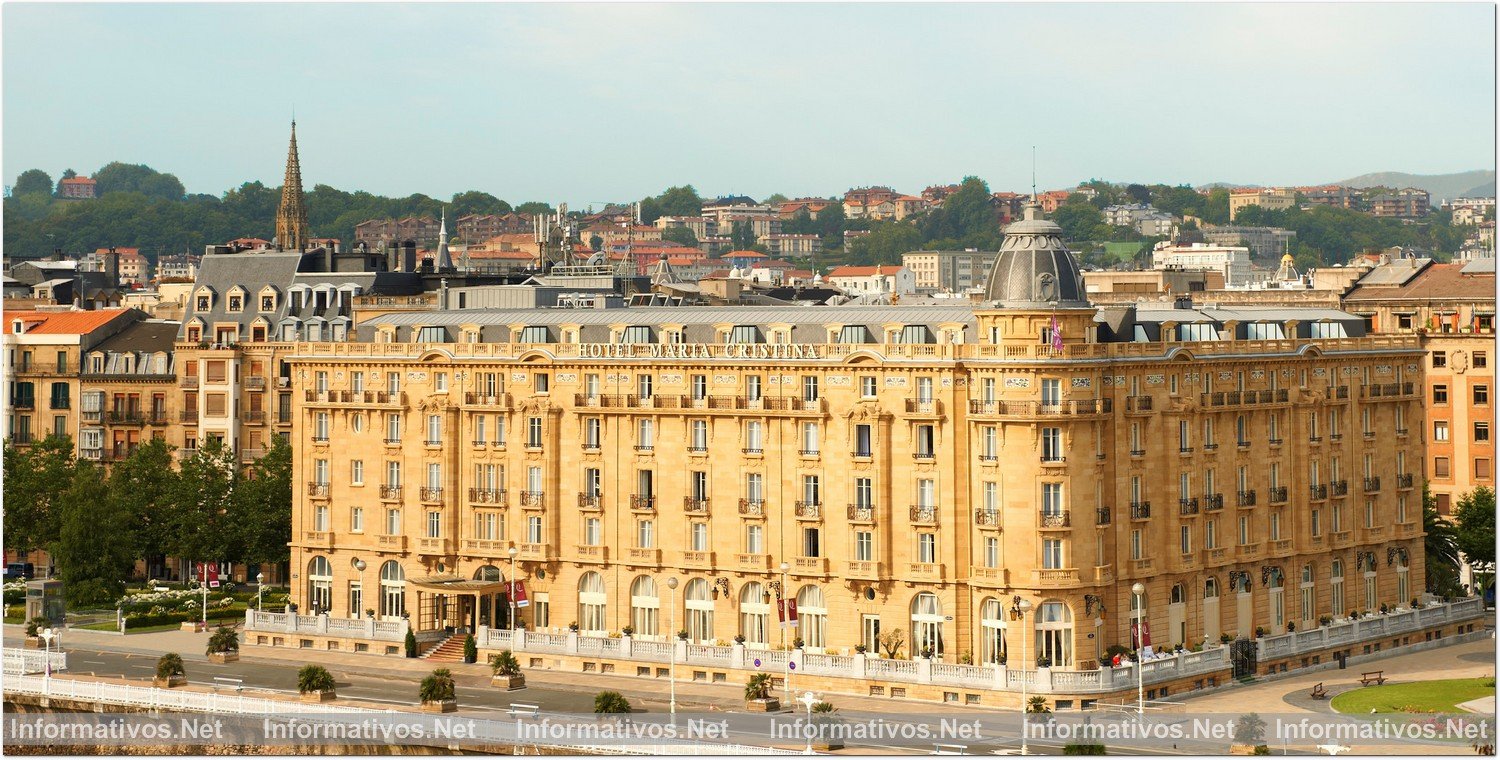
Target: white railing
1050,680
1365,628
23,661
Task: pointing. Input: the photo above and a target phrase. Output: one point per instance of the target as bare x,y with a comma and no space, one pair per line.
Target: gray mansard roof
1034,269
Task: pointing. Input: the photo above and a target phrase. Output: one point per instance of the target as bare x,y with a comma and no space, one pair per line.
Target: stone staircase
450,649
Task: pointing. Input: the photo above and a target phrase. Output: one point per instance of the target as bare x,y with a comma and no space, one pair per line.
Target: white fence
1164,667
23,661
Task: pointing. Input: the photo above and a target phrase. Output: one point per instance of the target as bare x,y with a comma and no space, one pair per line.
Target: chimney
328,257
112,268
409,256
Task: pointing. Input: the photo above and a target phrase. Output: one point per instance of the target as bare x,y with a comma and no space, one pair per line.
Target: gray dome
1034,269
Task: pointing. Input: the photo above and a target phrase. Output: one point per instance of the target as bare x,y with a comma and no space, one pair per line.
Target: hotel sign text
700,351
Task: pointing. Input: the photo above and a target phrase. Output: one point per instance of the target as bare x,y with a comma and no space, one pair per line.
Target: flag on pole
1057,342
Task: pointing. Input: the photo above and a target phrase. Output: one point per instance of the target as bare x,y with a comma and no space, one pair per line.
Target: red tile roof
64,322
850,271
1438,282
76,181
745,255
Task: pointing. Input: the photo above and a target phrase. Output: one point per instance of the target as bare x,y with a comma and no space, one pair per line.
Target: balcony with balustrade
752,507
694,506
533,499
431,494
431,546
1372,484
390,492
861,513
1245,498
1405,481
1187,507
923,514
642,502
487,496
1054,519
1338,488
1213,502
317,490
1102,515
1317,492
752,562
987,518
808,510
590,502
1138,404
1140,510
1278,494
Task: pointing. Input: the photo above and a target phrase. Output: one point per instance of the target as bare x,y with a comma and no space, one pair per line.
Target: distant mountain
1440,186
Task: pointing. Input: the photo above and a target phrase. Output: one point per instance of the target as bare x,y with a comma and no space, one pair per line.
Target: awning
452,584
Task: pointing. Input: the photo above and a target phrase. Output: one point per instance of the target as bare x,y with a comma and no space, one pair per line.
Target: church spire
291,216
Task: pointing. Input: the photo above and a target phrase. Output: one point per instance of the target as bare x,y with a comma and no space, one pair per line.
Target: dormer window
268,303
204,303
236,303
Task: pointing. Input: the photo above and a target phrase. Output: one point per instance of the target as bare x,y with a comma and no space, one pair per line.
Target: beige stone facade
1246,483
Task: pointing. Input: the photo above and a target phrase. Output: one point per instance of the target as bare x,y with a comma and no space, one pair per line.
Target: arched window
1054,633
991,631
755,614
1179,594
645,607
926,624
319,585
392,590
591,601
487,573
1336,586
1211,615
1211,589
1403,587
699,599
812,618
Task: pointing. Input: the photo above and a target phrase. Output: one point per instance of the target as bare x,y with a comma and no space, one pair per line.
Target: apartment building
1269,198
1232,261
948,271
883,466
1409,203
43,351
1451,309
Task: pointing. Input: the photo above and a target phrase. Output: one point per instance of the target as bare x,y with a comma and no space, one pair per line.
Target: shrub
411,644
1260,630
1117,649
437,687
1249,728
505,664
314,678
758,687
471,649
1261,749
611,702
1038,706
32,627
225,639
1225,638
169,665
1084,749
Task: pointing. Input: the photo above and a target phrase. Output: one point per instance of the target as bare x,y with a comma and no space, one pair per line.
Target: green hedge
15,596
146,620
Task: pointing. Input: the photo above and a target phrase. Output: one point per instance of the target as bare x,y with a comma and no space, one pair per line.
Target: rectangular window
645,534
809,437
434,430
927,547
591,433
534,529
1481,395
434,524
863,440
809,388
1481,432
867,386
1185,539
393,522
533,432
643,386
1051,391
864,546
812,545
698,537
1052,554
1052,449
754,487
1135,544
357,472
700,387
593,531
864,492
754,540
1440,430
752,387
1439,394
1052,499
543,383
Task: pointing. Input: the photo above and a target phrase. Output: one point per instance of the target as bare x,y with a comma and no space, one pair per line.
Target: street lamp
1140,648
1022,607
511,597
672,629
47,635
260,587
359,567
808,700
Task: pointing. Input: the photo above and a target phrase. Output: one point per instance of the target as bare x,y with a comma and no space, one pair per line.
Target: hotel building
904,467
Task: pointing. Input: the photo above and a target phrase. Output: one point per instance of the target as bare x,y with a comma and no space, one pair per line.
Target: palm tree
1440,546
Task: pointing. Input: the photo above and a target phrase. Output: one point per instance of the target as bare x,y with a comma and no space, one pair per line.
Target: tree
775,199
891,641
611,702
68,174
967,218
1138,193
680,200
116,177
596,242
1475,535
885,244
203,506
437,687
263,506
35,480
742,238
1081,221
33,181
476,202
95,547
533,208
1440,548
681,235
1249,729
143,485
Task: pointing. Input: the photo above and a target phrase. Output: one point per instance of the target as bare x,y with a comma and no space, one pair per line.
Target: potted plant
169,672
682,635
628,630
966,657
315,684
611,703
33,632
1225,638
370,613
506,671
573,626
1260,631
1044,662
1039,706
926,653
860,648
797,643
437,692
1291,627
739,638
758,694
1324,620
471,650
224,645
825,720
411,644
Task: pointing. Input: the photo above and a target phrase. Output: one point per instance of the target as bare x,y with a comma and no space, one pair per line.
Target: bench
1376,677
1318,692
517,709
238,684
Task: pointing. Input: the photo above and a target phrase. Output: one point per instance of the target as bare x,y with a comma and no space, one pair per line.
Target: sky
594,103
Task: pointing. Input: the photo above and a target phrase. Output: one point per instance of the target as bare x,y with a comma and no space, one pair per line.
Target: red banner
786,612
518,589
1143,632
208,574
